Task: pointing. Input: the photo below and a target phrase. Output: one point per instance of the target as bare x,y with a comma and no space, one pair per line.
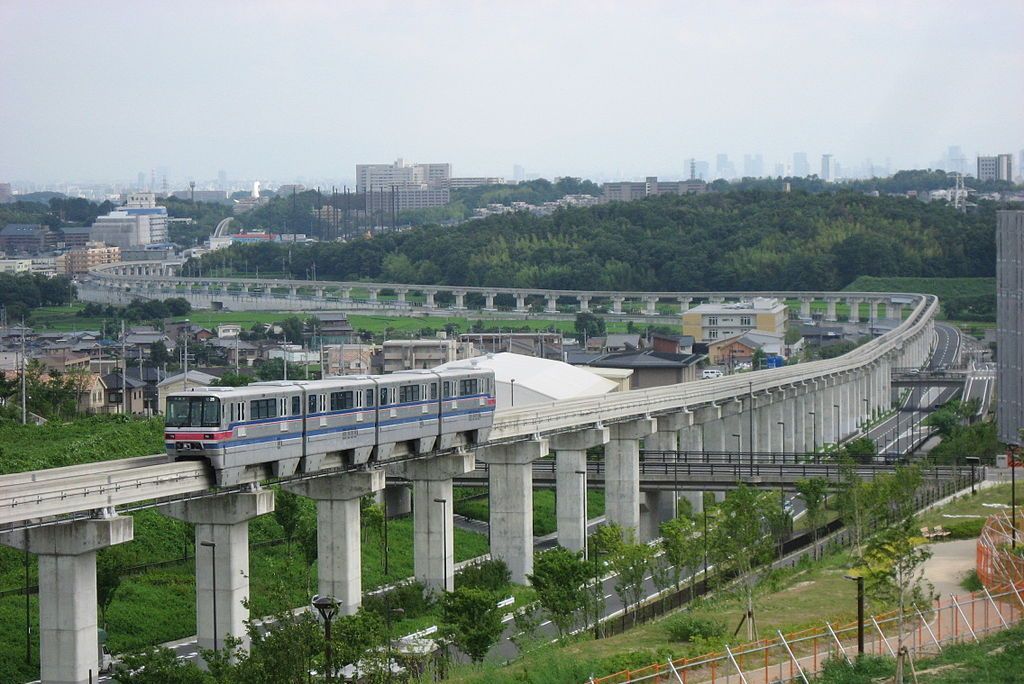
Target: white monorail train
291,426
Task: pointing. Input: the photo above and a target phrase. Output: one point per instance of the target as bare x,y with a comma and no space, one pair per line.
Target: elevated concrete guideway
797,408
120,283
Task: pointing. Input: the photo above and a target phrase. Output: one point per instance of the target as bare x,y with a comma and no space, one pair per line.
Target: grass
797,600
969,528
941,287
543,507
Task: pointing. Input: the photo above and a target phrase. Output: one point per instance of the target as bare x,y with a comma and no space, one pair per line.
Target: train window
383,396
433,390
296,405
341,401
369,398
263,408
312,403
468,387
446,390
232,413
408,393
359,399
241,410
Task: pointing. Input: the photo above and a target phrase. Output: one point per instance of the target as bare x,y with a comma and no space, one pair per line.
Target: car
711,374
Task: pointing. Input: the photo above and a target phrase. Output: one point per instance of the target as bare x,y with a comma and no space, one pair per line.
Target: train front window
193,412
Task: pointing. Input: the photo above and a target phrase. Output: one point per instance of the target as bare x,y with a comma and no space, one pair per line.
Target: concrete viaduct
66,515
122,282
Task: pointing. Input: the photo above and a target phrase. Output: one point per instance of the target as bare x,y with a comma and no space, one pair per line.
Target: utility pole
184,362
24,392
124,372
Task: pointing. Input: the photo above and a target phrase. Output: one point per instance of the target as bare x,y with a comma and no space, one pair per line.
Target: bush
689,627
409,597
971,582
491,575
964,528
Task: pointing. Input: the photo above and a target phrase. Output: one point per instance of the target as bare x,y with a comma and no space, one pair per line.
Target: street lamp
586,545
328,608
213,555
387,619
973,460
867,411
512,390
860,611
1013,495
836,414
444,538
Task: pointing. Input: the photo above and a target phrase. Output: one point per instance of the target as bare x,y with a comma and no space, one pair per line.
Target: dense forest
735,240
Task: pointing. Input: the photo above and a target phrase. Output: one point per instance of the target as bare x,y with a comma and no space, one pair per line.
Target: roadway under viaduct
122,282
65,515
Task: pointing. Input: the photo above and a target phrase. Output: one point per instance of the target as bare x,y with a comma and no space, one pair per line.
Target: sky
101,90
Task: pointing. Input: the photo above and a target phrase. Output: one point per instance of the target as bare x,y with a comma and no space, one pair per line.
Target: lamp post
328,608
1013,496
705,538
814,430
860,612
867,411
387,619
973,460
213,556
586,545
512,390
444,538
836,414
739,444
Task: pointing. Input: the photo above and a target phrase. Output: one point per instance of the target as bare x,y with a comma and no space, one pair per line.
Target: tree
854,501
293,329
589,325
287,513
358,638
308,542
559,576
160,666
813,492
861,449
739,541
683,548
892,570
158,354
110,563
630,564
472,620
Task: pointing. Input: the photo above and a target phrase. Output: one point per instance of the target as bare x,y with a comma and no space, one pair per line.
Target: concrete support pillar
734,422
68,645
346,294
716,299
622,472
292,290
397,500
552,304
433,533
339,556
224,522
696,500
510,478
805,306
401,295
714,439
830,312
373,294
570,486
656,507
764,424
460,299
429,301
854,304
691,439
617,304
684,304
650,305
520,302
719,496
804,423
489,301
777,411
584,301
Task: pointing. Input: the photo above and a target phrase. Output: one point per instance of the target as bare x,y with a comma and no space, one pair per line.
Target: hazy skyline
102,90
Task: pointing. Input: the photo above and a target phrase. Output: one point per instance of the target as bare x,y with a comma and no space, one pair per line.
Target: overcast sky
286,90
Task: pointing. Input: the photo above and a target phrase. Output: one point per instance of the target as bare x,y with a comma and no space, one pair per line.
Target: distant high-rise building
1010,324
222,180
139,222
753,165
780,170
140,181
801,169
828,168
955,160
997,168
518,173
724,167
401,175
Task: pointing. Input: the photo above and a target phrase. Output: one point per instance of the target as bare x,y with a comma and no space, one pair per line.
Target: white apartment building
15,266
718,321
139,222
996,168
400,174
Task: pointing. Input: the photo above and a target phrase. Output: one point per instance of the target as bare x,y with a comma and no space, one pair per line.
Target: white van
711,374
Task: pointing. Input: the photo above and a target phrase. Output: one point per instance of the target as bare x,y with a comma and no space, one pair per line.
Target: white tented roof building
534,380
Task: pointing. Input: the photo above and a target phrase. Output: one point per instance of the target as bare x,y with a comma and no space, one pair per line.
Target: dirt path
949,563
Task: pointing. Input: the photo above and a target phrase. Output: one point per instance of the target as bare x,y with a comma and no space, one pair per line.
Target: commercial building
1010,324
12,266
409,197
26,238
996,168
139,222
828,168
473,182
411,354
371,177
716,321
75,236
628,191
94,254
651,368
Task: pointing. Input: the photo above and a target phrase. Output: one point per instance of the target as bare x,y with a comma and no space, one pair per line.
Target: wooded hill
737,240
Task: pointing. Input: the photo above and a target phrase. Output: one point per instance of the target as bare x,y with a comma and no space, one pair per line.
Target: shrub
971,582
409,597
964,528
491,575
689,627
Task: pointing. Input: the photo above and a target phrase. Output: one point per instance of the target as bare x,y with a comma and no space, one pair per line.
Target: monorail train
292,426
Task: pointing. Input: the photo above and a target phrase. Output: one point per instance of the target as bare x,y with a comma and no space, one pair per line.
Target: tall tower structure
1010,324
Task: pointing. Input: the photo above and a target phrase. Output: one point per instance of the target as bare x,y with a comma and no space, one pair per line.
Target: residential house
741,348
114,386
652,368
